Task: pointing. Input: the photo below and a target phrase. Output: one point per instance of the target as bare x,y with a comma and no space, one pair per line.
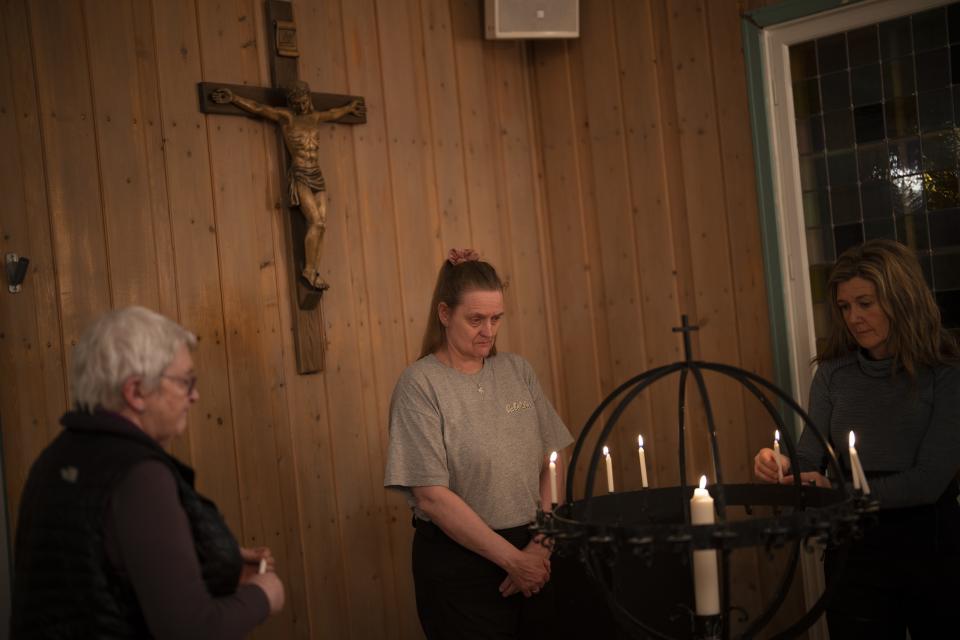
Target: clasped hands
765,469
528,572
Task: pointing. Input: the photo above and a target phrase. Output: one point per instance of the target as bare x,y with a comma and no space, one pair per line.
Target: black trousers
904,574
458,595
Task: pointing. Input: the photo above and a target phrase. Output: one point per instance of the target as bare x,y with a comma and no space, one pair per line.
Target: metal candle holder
612,532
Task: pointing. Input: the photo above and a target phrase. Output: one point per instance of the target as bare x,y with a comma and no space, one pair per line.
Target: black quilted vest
64,586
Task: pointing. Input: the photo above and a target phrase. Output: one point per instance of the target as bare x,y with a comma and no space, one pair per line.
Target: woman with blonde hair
470,432
889,372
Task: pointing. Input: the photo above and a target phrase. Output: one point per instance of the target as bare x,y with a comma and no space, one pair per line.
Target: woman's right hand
527,572
272,587
765,466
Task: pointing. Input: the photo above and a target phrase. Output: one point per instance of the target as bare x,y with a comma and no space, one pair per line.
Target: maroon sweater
147,536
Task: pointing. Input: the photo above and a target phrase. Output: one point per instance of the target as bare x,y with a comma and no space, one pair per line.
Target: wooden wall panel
530,291
243,213
557,132
187,169
71,164
419,228
608,178
445,109
33,393
653,221
371,594
121,156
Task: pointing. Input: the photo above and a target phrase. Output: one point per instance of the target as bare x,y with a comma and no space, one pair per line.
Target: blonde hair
133,341
453,281
917,337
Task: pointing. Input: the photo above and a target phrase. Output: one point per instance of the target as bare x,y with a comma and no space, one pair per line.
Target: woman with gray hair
112,539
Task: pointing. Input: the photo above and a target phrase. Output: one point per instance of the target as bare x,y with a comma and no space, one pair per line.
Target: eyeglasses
189,384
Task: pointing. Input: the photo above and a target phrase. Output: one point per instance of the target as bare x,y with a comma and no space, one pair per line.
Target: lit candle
553,478
856,468
705,577
606,454
854,462
263,566
776,450
643,463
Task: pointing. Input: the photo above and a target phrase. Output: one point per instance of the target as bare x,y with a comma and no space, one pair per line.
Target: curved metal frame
836,517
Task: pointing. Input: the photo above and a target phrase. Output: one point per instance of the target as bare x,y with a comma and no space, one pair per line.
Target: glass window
877,111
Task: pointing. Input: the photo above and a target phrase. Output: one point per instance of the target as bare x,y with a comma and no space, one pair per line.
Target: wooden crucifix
299,115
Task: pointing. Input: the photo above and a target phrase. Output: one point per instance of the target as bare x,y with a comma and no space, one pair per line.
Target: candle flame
553,457
703,482
776,435
606,452
853,439
640,441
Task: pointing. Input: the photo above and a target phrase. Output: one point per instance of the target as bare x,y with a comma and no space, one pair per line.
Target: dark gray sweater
908,432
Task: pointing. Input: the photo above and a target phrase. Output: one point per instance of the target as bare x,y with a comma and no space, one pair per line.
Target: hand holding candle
643,462
705,574
606,454
776,451
553,478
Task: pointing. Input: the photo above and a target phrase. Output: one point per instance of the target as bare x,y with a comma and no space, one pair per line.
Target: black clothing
71,575
904,574
458,595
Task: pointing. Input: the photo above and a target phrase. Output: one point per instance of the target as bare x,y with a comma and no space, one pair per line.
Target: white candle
706,581
263,566
553,478
854,461
856,468
776,450
643,463
606,454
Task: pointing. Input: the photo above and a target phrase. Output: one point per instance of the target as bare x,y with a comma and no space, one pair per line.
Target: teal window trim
753,24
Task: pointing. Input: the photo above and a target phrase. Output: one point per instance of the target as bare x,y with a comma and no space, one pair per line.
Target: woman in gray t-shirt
470,433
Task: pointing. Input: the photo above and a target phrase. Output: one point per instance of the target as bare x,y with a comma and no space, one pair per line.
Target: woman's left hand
251,561
507,587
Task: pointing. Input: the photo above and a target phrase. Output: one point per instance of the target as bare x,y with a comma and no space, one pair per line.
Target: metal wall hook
16,271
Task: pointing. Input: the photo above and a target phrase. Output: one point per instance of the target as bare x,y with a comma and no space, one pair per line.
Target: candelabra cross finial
685,328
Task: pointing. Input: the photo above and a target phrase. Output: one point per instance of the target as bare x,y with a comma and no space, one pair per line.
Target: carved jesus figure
300,126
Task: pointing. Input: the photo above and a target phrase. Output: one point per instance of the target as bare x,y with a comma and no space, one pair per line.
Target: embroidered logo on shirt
517,406
69,474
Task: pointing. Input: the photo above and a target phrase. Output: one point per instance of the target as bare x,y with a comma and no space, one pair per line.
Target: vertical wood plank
522,208
709,242
743,222
121,155
651,208
564,200
355,427
445,124
385,325
154,187
243,211
411,173
34,391
70,155
193,233
618,259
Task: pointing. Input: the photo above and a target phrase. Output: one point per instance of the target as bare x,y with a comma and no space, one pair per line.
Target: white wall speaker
512,19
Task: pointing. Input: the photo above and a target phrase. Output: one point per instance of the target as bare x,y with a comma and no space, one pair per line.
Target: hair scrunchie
459,256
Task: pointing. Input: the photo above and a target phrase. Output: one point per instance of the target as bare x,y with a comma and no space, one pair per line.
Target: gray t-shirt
482,435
